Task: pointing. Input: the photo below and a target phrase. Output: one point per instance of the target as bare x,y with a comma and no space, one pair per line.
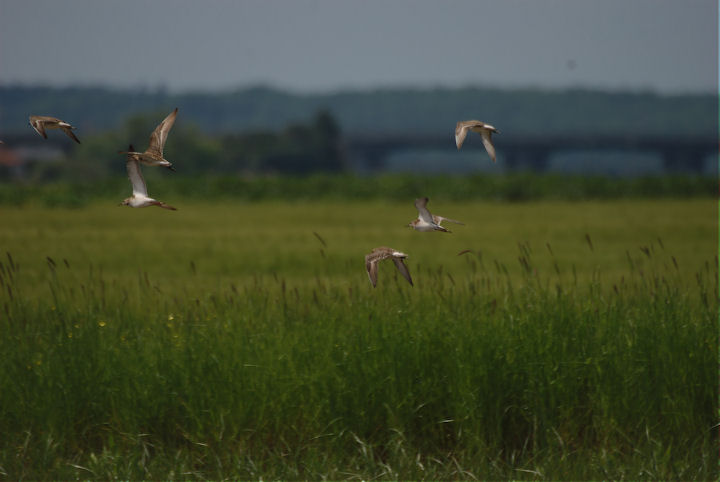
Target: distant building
16,162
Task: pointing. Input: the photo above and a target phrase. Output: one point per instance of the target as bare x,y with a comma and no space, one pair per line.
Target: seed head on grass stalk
11,264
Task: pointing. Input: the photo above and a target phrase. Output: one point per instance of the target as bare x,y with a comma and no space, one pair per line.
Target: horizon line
270,86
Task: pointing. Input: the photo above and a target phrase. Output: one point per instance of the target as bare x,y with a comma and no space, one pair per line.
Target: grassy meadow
242,339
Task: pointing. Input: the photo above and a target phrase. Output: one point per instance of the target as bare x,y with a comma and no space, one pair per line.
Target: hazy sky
313,45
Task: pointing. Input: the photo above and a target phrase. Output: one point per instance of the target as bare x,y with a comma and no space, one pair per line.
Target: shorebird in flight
427,221
140,198
42,122
485,131
381,253
153,156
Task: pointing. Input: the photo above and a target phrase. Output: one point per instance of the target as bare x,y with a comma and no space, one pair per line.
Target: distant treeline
397,110
297,148
516,187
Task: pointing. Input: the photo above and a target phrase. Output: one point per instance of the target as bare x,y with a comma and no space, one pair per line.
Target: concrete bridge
684,154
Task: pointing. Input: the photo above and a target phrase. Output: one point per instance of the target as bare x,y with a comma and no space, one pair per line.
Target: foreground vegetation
245,341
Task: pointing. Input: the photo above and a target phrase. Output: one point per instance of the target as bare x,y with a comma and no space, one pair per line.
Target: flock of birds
427,221
153,156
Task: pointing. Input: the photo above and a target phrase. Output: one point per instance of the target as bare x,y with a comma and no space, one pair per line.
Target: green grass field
578,340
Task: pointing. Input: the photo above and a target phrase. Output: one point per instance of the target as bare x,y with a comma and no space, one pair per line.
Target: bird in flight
153,156
429,222
42,122
140,198
485,131
381,253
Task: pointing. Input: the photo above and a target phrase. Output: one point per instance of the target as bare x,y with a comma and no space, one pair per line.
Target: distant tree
246,151
299,148
192,151
379,111
327,132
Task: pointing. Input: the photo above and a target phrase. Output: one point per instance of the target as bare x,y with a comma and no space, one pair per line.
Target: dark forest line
381,111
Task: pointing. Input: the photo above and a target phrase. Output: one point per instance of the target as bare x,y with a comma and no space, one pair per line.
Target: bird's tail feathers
166,206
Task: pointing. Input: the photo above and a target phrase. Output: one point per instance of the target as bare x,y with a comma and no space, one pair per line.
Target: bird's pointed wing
372,269
400,265
136,177
71,135
159,135
438,219
487,142
38,125
423,213
461,130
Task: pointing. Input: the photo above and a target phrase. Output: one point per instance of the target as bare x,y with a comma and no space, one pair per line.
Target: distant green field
244,340
233,242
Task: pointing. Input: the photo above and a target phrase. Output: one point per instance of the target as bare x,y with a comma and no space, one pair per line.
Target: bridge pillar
368,159
683,161
511,159
540,161
536,160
